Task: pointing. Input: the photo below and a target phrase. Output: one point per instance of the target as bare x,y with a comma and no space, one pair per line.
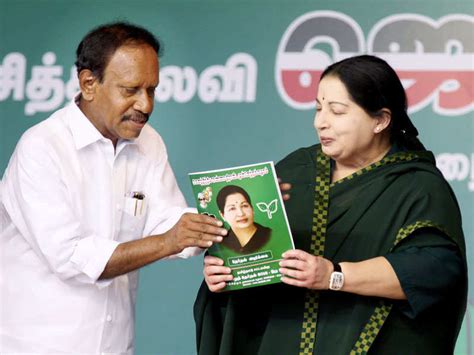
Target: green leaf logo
270,208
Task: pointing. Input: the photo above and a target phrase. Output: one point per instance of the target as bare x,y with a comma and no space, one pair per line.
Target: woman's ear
383,120
88,84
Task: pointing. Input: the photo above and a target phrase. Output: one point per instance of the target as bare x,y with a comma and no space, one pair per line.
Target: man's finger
206,229
203,219
206,237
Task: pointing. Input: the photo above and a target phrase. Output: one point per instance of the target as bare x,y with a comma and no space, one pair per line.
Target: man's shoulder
47,131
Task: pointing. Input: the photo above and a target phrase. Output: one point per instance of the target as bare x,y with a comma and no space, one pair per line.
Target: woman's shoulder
301,156
298,164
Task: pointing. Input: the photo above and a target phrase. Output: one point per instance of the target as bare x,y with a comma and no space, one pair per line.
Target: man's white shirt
68,200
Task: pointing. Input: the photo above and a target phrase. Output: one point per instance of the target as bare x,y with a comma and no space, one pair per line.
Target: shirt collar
83,131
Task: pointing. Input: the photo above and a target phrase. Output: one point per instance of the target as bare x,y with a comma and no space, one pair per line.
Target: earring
377,129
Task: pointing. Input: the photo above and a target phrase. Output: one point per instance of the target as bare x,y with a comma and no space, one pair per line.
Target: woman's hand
284,189
302,269
215,274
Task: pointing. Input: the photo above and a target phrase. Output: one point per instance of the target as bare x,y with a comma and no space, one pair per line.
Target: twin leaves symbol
270,208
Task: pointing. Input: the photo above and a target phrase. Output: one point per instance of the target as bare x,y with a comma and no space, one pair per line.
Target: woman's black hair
230,190
374,85
99,45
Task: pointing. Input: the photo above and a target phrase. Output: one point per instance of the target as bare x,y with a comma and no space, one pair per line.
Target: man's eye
151,92
130,91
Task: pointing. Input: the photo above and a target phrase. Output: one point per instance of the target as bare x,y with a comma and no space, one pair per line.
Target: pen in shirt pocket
138,196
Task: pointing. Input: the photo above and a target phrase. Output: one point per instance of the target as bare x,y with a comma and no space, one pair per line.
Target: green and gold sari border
318,237
381,312
372,328
406,231
391,159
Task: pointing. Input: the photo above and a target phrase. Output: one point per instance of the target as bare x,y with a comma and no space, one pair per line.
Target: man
80,191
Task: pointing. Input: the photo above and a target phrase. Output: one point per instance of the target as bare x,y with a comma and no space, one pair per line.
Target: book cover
248,200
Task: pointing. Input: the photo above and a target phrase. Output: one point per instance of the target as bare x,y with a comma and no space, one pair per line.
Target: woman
235,207
380,262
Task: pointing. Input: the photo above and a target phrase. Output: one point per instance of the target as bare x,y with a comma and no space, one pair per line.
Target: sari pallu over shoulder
371,213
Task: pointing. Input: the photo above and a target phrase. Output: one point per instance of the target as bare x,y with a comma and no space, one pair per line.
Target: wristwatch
336,281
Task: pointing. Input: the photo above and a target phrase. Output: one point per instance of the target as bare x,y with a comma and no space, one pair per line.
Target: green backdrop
237,81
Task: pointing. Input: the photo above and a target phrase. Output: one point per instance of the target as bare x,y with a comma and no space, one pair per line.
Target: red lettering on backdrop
426,83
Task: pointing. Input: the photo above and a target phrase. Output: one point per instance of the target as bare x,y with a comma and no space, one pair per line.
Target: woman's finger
296,254
213,260
210,270
292,282
294,274
293,264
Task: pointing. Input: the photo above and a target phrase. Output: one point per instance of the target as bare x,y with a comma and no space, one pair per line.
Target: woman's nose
320,121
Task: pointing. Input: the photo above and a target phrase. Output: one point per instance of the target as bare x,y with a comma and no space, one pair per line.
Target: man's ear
88,83
384,117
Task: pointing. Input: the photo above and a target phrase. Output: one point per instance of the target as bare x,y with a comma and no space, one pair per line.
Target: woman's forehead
235,197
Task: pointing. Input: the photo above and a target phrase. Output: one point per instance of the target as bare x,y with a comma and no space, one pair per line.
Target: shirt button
118,207
109,318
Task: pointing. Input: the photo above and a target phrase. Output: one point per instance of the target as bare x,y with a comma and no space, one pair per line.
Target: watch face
337,281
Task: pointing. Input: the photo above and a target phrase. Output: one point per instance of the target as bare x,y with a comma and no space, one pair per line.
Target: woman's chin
329,152
244,225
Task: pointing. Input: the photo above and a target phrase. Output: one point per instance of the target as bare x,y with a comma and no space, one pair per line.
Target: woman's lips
326,140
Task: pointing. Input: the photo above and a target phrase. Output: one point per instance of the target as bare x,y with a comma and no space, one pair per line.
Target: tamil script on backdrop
433,58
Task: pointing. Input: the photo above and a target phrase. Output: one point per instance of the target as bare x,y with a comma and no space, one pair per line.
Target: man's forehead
131,61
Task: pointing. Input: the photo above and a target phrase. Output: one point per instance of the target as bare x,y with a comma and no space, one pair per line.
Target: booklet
248,200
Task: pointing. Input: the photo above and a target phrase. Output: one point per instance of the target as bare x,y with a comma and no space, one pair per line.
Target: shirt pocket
133,218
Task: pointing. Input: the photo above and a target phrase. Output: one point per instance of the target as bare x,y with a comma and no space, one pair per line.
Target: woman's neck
244,235
343,169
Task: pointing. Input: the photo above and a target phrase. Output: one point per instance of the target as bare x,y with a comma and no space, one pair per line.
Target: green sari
400,202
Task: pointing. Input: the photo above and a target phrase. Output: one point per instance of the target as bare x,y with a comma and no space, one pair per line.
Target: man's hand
216,274
194,230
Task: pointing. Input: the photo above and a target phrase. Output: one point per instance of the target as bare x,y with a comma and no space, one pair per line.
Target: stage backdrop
238,83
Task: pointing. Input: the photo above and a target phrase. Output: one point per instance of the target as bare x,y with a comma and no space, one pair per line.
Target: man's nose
144,102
